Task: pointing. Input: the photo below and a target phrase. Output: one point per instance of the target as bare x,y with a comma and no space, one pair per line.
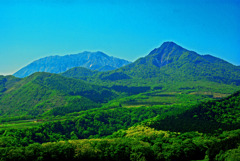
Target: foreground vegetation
137,143
137,133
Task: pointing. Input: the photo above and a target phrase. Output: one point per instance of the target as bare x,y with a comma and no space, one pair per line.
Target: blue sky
32,29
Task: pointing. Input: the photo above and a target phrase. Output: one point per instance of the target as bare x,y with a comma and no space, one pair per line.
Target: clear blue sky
32,29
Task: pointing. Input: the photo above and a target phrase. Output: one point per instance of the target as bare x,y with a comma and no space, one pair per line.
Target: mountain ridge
58,64
176,67
171,62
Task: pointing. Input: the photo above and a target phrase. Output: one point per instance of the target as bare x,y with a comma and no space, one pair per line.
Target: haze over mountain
58,64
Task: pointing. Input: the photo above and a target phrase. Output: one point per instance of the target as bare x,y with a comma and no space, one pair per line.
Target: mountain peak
166,46
92,53
170,44
166,53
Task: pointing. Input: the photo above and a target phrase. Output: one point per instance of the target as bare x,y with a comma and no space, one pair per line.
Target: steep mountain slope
41,92
172,62
58,64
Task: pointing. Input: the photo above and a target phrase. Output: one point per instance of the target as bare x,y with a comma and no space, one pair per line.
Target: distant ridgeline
58,64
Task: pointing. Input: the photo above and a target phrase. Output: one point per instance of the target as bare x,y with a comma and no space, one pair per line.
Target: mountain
42,92
175,62
171,66
58,64
171,62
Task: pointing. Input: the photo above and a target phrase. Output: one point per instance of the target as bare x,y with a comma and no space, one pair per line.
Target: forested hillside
171,61
42,92
205,117
137,142
6,82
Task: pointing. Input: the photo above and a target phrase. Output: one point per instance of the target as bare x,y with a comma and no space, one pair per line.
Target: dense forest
117,133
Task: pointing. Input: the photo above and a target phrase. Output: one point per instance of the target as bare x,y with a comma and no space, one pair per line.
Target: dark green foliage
94,124
231,155
75,104
76,87
116,76
139,142
3,80
104,123
229,140
110,150
48,152
7,82
165,146
205,117
16,118
130,90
